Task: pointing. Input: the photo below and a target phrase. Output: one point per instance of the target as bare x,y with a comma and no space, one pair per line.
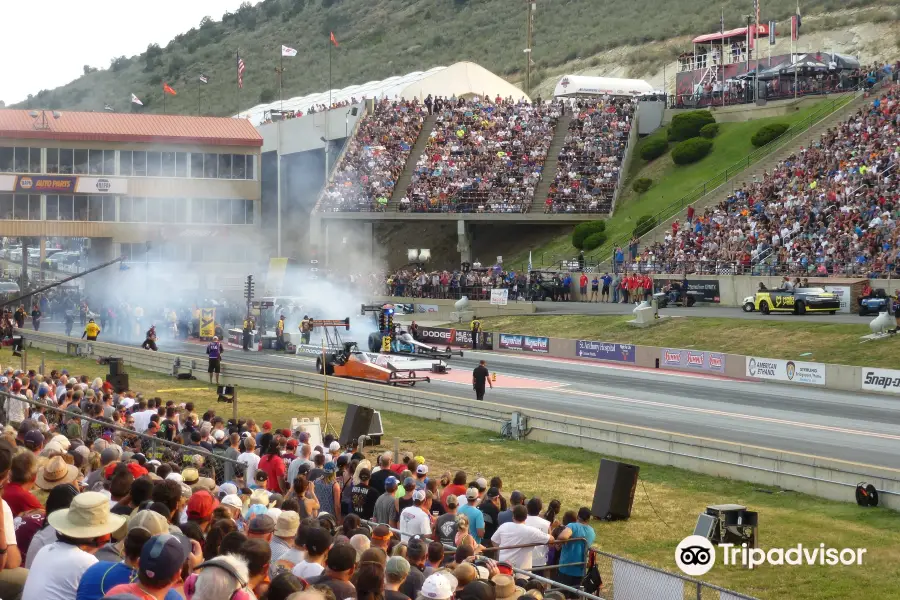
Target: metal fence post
234,405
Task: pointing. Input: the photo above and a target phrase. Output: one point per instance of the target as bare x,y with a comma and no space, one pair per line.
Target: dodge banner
708,288
692,359
793,371
605,351
461,338
525,343
63,184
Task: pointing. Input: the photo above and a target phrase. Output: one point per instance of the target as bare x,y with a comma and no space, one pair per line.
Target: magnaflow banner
692,359
455,337
708,288
523,343
775,369
605,351
880,380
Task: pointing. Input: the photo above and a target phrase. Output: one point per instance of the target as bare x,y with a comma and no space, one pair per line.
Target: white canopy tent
583,85
460,79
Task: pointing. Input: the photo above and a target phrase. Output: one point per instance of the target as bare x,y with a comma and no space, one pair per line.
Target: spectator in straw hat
286,526
56,472
81,530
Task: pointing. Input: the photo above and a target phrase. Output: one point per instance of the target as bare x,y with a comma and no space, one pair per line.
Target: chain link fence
213,464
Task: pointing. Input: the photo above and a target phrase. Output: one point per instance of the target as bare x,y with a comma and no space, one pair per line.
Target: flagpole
199,91
164,101
722,58
281,79
330,44
237,87
756,47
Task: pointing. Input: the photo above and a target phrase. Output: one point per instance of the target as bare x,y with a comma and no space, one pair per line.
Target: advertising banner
523,343
427,308
461,338
708,288
310,350
880,380
605,351
207,322
842,292
692,359
500,297
775,369
63,184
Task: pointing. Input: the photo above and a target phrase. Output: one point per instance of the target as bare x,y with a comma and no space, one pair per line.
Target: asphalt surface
861,428
705,310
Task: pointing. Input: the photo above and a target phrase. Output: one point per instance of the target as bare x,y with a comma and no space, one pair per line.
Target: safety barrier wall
835,480
440,309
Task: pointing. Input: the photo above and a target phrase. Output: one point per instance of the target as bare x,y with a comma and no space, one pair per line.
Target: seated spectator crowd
830,209
589,162
109,508
476,283
483,156
365,178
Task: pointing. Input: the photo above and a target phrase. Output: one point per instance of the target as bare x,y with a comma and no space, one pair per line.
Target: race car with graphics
351,363
799,301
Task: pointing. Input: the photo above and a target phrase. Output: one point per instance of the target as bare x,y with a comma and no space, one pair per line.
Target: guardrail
831,479
717,181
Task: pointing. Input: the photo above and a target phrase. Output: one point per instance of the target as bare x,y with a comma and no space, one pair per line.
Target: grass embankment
818,342
670,183
570,474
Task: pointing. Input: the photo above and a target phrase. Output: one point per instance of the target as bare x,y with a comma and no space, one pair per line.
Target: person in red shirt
22,477
582,284
272,465
457,488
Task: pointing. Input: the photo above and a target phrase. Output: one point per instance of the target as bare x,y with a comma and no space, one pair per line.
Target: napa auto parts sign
692,359
790,371
880,380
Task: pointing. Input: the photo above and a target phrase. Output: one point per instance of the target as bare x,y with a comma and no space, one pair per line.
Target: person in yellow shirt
91,331
279,334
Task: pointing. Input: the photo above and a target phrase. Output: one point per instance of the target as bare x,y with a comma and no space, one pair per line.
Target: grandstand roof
573,85
460,79
128,127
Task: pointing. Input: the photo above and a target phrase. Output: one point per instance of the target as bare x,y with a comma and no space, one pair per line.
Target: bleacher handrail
721,178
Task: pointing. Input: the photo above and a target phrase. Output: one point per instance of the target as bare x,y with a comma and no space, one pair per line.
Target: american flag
240,70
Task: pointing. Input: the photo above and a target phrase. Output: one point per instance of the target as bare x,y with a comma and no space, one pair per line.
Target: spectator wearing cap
421,476
490,508
334,448
339,567
363,497
200,508
386,508
34,441
17,493
258,556
474,516
575,552
328,491
286,526
445,528
81,530
273,466
159,568
505,588
262,527
233,504
438,586
118,568
290,452
395,573
316,542
516,533
381,538
515,499
414,520
219,579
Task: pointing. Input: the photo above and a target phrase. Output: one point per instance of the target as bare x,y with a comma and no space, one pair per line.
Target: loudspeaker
614,494
119,382
357,421
354,111
116,366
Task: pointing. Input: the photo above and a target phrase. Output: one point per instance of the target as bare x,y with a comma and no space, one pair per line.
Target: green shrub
595,240
583,230
688,124
767,133
642,185
644,224
690,151
654,148
709,131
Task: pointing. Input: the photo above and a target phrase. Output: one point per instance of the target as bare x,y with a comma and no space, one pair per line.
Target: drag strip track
856,428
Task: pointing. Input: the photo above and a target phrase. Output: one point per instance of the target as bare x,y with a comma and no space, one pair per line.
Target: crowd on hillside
483,156
591,157
830,209
365,178
93,510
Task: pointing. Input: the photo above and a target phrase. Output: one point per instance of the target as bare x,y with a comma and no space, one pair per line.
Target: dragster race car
798,301
403,344
351,363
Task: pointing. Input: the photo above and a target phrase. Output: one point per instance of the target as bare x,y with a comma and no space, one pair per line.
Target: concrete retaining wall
834,480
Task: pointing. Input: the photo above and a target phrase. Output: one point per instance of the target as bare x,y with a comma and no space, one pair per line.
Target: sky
46,43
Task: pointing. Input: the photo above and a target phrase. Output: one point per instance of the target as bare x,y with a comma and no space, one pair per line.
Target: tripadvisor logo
695,556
